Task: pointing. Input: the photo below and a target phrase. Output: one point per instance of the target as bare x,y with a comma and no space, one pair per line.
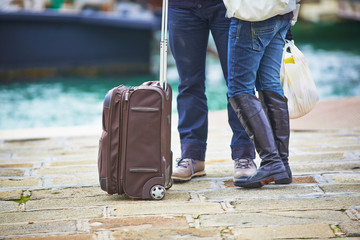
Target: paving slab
85,179
62,236
345,177
10,195
266,218
303,231
30,228
8,206
192,186
338,203
51,215
343,188
350,229
158,222
274,191
11,172
172,208
58,193
326,167
22,182
189,233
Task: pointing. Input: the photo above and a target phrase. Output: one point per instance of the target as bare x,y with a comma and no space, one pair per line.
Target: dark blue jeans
188,37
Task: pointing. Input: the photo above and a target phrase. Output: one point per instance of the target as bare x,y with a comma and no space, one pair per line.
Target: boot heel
281,178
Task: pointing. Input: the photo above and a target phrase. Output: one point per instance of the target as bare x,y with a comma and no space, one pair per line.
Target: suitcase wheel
157,192
170,184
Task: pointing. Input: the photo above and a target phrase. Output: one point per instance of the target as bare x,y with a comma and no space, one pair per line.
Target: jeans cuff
194,151
243,152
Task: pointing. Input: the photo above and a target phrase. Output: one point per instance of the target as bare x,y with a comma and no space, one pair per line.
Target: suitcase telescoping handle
163,45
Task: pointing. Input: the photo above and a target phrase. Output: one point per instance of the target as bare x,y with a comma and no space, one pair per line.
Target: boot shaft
254,119
277,111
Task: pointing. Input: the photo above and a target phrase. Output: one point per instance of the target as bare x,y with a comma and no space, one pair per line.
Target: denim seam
256,30
232,71
238,31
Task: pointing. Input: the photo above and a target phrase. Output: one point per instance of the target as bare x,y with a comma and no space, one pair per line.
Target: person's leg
268,75
247,44
242,149
272,97
188,38
241,145
277,111
253,117
243,60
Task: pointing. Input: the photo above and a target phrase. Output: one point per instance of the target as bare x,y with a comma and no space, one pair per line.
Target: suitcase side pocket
103,154
109,143
102,165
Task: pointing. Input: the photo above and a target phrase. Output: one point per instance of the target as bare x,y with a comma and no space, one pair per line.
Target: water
333,55
332,52
56,102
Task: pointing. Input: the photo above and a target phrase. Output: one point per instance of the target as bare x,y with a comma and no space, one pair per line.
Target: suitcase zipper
124,120
131,89
118,167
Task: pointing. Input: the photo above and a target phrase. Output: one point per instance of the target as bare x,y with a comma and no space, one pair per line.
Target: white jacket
293,6
251,10
290,7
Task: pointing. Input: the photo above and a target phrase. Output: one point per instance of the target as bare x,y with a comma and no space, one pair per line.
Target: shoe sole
278,177
284,181
197,174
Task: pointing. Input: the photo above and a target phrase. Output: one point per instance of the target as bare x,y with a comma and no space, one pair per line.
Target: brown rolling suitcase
135,155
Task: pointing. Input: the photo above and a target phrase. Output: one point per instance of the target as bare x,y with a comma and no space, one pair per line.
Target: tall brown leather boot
254,119
277,111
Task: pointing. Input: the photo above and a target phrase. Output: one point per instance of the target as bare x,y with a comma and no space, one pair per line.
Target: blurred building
329,10
41,38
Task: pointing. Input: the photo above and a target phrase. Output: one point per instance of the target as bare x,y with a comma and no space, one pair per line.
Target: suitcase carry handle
163,45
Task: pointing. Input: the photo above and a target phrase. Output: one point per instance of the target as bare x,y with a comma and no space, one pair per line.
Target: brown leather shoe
188,168
244,168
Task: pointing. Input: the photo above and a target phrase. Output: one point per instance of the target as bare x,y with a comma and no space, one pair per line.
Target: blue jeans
255,53
188,37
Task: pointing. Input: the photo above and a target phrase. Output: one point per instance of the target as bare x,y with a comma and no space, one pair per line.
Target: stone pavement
49,187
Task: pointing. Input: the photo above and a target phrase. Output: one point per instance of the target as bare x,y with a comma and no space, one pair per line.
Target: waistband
286,16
